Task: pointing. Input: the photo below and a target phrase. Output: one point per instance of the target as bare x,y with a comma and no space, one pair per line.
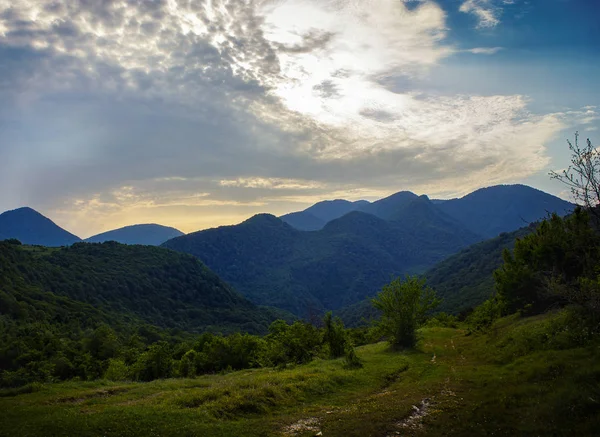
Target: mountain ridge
487,211
272,263
148,234
492,210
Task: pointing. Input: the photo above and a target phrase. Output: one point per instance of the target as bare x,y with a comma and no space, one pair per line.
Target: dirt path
441,356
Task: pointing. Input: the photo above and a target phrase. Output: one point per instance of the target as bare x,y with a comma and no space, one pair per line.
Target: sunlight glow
335,51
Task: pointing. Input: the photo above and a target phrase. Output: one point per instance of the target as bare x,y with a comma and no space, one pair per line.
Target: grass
516,380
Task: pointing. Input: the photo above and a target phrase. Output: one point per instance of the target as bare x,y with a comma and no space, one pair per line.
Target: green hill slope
349,259
115,282
525,378
464,280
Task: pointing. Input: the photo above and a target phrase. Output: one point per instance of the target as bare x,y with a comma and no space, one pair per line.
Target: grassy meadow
522,377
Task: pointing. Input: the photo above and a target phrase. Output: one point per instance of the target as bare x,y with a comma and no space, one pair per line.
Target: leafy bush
155,363
442,320
566,329
187,365
237,351
404,306
335,335
483,316
297,343
351,360
117,370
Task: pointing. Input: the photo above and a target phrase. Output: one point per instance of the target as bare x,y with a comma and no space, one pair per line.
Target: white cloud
124,110
487,14
485,50
271,183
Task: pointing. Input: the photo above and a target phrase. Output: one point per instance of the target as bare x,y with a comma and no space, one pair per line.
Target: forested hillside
464,280
142,283
55,304
308,272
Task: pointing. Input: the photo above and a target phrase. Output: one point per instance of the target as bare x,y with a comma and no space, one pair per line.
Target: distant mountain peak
353,218
24,209
390,206
492,210
30,227
303,221
150,234
317,216
263,218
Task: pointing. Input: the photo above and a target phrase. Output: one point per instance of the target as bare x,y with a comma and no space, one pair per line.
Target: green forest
500,338
65,313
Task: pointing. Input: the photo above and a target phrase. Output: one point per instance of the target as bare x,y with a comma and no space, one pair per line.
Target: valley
130,339
299,218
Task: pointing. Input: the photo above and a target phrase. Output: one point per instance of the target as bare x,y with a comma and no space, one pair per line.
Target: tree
334,335
583,175
404,305
549,265
155,363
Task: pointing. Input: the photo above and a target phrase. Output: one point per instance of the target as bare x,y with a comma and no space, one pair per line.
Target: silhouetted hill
424,221
303,221
31,227
331,209
391,206
116,283
503,208
304,272
486,212
148,234
316,216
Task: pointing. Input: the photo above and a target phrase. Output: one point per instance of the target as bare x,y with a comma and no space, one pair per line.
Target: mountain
503,208
272,263
256,257
465,279
331,209
31,227
316,216
150,234
420,217
486,212
120,285
303,221
390,207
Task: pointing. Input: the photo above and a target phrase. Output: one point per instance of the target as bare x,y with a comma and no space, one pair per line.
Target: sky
195,114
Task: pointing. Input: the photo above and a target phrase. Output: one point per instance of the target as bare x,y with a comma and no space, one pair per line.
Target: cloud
201,113
487,14
484,50
270,183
